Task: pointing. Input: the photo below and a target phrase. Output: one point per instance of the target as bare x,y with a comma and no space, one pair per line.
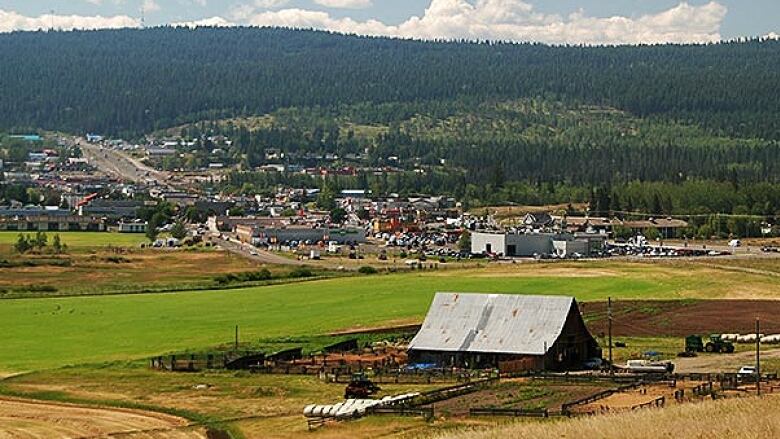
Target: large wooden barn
506,331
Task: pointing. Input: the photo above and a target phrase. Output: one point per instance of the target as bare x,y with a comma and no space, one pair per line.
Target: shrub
301,272
250,276
367,270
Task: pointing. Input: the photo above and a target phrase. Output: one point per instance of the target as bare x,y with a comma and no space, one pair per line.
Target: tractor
360,387
694,343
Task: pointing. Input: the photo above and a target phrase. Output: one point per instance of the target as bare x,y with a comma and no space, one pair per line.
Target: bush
250,276
301,272
367,270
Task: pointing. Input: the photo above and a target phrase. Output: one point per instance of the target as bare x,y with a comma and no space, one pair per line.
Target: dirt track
33,419
680,318
722,362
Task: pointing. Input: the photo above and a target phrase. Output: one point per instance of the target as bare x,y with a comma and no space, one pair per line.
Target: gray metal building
518,244
506,331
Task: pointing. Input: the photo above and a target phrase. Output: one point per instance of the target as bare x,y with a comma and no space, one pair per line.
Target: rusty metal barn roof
492,323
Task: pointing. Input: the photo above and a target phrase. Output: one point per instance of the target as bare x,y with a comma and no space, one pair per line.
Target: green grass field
46,333
82,239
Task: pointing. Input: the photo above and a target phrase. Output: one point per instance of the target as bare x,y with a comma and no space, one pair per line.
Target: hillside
132,81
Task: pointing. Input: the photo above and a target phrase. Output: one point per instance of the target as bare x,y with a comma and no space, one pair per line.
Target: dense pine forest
125,82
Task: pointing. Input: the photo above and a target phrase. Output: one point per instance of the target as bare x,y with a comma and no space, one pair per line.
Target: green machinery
694,343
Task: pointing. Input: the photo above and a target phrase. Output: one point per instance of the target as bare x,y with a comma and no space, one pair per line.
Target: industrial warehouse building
506,331
519,244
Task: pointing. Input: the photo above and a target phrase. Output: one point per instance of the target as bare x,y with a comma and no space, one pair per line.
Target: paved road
121,165
259,255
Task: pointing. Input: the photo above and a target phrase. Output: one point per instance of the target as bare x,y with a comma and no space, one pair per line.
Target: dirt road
22,419
722,362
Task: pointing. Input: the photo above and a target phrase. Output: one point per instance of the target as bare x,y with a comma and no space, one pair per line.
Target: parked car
746,371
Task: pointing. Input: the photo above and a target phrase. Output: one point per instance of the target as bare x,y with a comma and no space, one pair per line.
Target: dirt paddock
21,419
653,318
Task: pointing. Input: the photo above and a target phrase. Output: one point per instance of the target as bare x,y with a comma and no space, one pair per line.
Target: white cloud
344,4
516,20
270,4
11,21
150,6
509,20
206,22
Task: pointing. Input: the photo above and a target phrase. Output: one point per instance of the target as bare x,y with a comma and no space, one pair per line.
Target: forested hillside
126,82
526,151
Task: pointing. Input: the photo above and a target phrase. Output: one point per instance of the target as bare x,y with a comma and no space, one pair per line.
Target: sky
548,21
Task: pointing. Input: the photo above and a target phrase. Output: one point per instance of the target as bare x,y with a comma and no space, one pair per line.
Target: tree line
131,81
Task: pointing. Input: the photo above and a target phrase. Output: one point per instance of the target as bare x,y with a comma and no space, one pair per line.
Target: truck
715,344
648,366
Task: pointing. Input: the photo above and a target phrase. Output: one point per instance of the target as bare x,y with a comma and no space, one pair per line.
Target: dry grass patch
741,418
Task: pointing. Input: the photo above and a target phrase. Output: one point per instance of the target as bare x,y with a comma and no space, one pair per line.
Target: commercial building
133,227
520,244
258,235
46,223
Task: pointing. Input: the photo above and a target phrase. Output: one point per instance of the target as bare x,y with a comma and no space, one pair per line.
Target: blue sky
554,21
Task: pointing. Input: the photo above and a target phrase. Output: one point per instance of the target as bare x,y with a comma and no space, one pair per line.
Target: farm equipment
360,387
694,343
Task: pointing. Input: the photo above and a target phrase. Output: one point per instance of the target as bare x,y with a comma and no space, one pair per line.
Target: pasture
101,271
80,240
53,332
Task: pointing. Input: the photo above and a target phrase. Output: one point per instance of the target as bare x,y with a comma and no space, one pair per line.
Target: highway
253,253
121,165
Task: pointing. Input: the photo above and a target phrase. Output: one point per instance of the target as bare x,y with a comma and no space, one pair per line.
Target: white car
746,371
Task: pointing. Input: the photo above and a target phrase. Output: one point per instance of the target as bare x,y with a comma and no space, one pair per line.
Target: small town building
133,227
505,331
666,227
46,223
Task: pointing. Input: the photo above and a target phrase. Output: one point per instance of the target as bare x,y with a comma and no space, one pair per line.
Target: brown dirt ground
33,419
681,318
518,393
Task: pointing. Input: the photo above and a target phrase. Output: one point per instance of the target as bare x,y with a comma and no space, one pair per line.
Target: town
99,185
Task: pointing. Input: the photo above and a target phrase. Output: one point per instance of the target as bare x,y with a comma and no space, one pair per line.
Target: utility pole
609,316
758,357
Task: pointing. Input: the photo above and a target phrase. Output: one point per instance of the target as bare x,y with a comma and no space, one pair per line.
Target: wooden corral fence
433,396
566,407
516,412
658,402
407,376
402,410
197,362
593,378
